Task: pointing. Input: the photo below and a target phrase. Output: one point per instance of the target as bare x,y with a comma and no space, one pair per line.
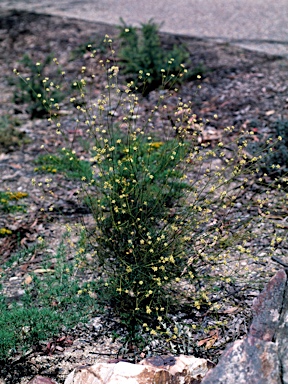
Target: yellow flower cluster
17,195
5,231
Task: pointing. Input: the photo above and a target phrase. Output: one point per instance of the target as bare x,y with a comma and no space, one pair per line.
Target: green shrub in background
36,90
146,62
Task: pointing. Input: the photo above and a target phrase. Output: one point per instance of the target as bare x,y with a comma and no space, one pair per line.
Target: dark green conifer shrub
146,62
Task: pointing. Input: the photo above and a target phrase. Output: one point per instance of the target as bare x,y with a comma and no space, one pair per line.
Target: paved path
255,24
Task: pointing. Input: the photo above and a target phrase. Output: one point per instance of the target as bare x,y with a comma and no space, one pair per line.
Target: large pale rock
186,367
158,370
41,380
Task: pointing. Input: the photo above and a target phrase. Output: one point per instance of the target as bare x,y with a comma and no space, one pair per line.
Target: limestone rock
157,370
42,380
250,361
182,365
255,359
282,339
267,307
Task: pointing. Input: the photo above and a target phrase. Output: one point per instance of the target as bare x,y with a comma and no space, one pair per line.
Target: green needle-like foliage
145,60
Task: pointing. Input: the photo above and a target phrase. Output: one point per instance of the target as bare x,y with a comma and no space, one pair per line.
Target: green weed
156,228
138,186
66,162
49,304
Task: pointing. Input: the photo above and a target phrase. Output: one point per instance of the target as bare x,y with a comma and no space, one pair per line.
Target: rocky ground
242,88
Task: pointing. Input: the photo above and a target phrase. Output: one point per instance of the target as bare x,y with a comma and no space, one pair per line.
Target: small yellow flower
5,231
148,310
156,144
